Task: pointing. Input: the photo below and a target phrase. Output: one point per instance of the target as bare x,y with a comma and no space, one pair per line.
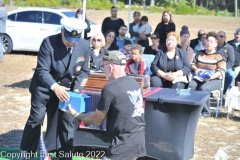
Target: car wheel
6,44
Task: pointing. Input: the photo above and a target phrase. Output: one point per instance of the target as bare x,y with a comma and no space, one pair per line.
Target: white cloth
233,99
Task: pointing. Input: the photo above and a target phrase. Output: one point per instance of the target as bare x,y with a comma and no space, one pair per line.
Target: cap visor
70,39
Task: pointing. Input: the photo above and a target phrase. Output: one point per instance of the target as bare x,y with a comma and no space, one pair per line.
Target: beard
108,76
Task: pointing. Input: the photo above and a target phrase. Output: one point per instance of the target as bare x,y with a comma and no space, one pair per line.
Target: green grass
12,153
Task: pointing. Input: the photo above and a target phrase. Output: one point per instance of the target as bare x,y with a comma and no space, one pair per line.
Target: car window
29,16
51,18
69,14
12,17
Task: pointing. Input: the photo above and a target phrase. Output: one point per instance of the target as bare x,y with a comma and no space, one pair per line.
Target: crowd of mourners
175,64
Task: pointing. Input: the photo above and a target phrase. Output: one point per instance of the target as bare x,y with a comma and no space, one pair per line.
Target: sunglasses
154,38
221,36
112,36
102,65
97,40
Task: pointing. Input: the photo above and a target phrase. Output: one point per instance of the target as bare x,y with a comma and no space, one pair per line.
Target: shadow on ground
24,53
23,84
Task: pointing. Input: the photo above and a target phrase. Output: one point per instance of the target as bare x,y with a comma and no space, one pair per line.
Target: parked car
27,27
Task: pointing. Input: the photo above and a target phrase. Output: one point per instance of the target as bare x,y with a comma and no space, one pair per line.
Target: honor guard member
62,65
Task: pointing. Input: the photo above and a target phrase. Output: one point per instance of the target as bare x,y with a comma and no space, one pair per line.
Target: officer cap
73,28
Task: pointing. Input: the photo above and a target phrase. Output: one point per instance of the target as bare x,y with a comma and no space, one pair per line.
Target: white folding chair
217,96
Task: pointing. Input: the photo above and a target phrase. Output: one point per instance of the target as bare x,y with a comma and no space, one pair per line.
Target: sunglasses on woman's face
97,40
154,38
112,36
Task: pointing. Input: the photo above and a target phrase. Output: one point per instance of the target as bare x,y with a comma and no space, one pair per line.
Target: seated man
122,103
121,38
195,42
227,53
235,43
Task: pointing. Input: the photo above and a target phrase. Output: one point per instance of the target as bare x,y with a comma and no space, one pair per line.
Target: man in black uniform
122,103
63,64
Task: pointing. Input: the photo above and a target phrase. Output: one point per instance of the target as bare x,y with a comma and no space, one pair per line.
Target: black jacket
193,43
132,33
160,61
52,67
87,30
237,53
95,63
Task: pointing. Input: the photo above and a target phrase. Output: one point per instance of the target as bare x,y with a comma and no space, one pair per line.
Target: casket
96,81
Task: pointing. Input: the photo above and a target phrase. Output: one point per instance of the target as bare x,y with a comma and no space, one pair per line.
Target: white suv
27,27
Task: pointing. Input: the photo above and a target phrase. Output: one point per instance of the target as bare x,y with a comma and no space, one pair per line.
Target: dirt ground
17,69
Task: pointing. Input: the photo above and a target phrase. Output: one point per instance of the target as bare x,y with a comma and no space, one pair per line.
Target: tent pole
84,13
129,9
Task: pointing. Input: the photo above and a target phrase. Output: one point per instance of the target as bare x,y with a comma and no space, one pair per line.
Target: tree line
216,5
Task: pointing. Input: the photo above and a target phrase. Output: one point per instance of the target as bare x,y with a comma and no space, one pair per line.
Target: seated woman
97,52
155,45
233,96
170,64
184,36
208,60
110,37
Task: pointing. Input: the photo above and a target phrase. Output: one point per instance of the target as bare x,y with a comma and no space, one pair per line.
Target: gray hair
2,3
237,30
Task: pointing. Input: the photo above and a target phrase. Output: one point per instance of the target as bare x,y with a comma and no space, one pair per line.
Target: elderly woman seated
208,61
97,51
233,96
170,65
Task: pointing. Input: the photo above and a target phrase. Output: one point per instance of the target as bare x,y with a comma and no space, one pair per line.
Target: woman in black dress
169,64
166,26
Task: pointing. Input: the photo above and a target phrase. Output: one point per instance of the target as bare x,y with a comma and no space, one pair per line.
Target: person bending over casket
122,103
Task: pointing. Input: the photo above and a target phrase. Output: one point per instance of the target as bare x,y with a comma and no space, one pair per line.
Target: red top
135,67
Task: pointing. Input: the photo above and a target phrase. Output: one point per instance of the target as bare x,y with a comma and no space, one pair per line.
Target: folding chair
217,95
147,58
147,67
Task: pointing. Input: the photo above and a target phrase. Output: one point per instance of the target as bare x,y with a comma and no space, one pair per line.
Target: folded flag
79,102
204,74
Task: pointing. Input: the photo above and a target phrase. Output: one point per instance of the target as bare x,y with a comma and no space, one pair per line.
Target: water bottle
178,88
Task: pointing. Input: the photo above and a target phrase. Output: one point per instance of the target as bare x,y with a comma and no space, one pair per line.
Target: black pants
160,82
60,127
206,86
